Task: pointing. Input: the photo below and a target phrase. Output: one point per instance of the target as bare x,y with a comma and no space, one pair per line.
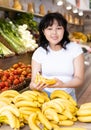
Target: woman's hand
58,84
39,86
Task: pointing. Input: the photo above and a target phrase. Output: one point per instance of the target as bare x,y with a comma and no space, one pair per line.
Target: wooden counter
87,126
5,63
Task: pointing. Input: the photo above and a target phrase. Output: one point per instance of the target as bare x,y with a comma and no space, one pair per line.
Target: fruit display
78,37
15,77
40,78
38,111
84,112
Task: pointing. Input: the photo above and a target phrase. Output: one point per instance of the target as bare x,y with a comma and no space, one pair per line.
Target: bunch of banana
60,111
9,114
9,94
29,102
31,98
63,94
40,78
84,112
38,121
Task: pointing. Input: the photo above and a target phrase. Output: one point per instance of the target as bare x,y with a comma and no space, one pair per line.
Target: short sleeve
37,55
76,50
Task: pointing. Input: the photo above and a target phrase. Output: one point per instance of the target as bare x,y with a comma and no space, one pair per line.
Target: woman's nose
54,31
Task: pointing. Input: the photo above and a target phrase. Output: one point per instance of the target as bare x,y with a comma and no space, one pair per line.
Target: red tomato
16,81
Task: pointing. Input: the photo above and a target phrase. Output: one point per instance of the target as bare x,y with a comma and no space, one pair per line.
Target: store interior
79,26
78,15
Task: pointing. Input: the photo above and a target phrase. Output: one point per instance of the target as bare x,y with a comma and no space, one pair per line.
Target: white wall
84,4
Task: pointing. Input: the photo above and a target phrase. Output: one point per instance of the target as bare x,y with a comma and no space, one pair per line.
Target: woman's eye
49,28
59,28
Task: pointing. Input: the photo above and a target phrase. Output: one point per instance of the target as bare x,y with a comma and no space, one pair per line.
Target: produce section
16,37
36,111
30,109
16,77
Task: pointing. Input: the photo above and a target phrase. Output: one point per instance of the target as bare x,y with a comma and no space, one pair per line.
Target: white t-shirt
58,64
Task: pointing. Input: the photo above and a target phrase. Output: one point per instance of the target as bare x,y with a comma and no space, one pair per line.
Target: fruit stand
87,126
6,63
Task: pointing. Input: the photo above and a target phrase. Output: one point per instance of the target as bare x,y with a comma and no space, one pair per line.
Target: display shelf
3,8
12,10
6,63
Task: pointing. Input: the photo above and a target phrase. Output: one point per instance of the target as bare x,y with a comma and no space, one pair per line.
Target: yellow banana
33,109
44,120
30,92
38,123
62,117
66,123
59,94
30,95
63,94
55,126
45,97
10,118
53,105
67,113
28,110
5,100
9,93
72,100
2,104
84,112
32,122
40,96
40,99
27,103
25,118
12,108
44,93
50,81
25,112
74,118
51,113
21,97
84,118
40,78
58,101
85,105
3,119
68,104
17,123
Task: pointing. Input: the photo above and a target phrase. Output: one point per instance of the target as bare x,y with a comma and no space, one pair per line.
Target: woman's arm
36,68
78,78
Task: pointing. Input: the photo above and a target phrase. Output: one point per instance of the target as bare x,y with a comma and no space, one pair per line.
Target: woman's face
54,34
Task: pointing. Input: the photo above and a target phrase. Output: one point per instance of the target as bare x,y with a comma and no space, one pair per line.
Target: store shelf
6,63
12,10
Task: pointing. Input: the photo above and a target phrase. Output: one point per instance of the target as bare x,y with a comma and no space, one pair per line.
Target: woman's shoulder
39,49
74,48
72,45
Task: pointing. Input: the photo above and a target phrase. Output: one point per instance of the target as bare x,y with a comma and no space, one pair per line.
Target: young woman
57,57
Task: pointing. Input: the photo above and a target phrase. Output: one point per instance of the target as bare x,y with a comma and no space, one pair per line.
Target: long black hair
48,20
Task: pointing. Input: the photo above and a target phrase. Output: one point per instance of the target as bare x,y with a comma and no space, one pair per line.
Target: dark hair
48,20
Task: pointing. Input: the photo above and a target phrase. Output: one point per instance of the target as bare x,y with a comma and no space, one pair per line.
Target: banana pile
9,113
61,109
84,112
40,78
38,111
15,107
